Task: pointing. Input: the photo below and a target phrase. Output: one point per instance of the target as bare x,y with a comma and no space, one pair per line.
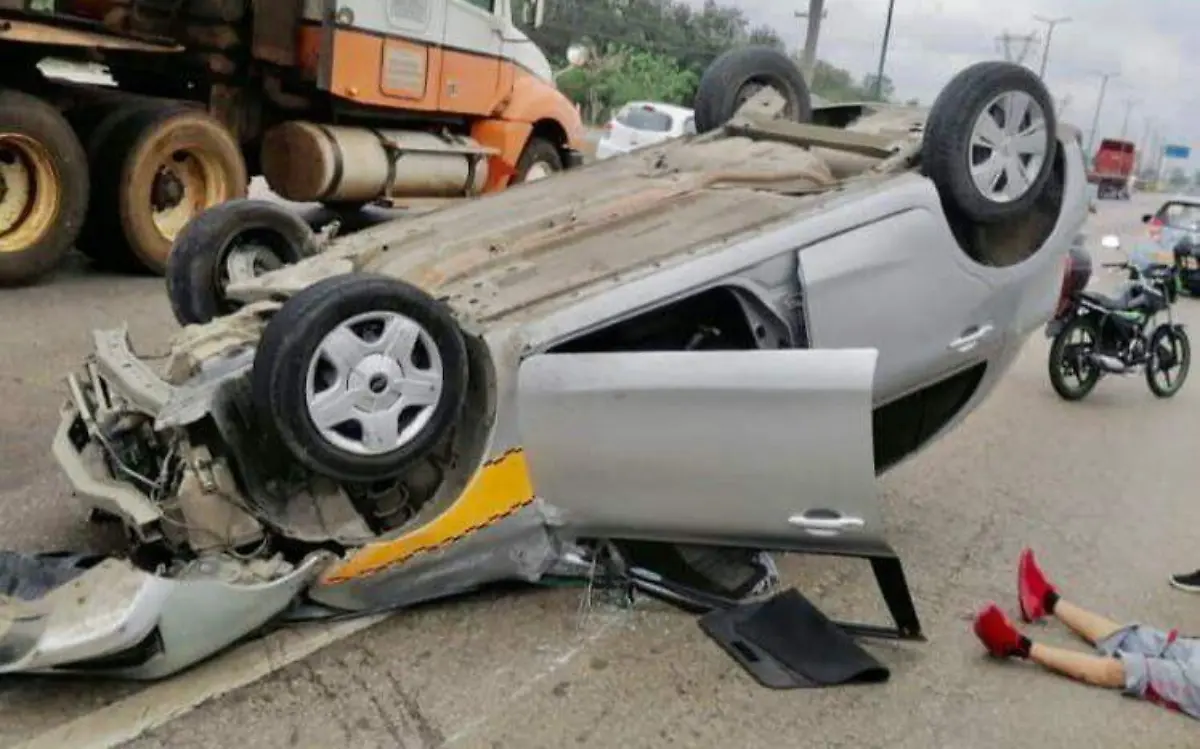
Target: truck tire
95,125
327,342
539,160
240,237
160,168
738,74
1003,180
43,188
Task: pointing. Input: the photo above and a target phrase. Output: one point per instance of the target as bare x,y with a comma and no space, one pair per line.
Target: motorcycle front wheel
1072,373
1170,351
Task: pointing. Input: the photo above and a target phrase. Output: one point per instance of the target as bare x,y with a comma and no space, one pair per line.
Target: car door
472,68
902,286
764,448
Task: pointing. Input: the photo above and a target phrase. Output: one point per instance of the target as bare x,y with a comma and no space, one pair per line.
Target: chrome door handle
972,339
826,526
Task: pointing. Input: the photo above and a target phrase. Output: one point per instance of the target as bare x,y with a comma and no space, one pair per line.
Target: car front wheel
360,376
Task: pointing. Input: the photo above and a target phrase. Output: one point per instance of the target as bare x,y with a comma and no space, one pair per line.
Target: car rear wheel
737,75
360,376
234,241
990,141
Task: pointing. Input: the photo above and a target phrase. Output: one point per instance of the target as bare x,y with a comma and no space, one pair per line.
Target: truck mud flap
71,613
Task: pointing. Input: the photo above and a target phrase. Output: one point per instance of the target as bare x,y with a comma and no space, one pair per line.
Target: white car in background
644,123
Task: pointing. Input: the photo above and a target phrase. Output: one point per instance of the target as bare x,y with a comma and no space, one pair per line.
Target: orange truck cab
344,103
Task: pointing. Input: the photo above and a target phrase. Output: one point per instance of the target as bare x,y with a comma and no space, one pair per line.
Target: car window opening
645,118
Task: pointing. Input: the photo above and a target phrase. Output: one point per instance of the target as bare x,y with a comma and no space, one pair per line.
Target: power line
887,35
812,32
1099,103
1050,24
1129,105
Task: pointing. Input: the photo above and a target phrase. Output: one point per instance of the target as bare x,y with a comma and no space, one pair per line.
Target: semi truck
342,103
1112,169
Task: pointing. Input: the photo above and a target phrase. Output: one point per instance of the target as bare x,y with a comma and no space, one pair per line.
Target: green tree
677,36
886,88
625,74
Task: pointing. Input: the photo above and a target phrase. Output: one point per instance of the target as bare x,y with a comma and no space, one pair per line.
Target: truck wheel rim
1008,146
28,192
185,183
373,383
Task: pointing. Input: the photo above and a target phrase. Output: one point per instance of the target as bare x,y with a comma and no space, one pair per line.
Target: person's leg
1040,598
1090,626
1002,639
1097,670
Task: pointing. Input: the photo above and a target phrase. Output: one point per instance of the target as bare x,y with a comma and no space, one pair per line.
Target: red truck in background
1112,169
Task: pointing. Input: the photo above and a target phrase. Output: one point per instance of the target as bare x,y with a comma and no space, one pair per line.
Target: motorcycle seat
1104,301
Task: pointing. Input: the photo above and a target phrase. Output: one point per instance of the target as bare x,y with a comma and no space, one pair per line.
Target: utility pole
1099,103
1050,24
887,35
1006,41
1129,105
814,16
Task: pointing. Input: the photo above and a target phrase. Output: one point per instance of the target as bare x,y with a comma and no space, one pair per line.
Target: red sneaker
1032,587
997,633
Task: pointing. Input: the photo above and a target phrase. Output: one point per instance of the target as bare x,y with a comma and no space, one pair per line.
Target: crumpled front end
85,614
200,573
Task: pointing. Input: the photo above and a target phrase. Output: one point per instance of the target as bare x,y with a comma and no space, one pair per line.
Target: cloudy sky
1145,41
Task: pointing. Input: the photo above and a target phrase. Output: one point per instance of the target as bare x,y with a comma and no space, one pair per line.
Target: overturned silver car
698,352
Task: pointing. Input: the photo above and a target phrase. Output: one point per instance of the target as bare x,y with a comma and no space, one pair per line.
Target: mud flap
80,614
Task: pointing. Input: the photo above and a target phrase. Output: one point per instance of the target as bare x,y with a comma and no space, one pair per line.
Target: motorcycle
1096,335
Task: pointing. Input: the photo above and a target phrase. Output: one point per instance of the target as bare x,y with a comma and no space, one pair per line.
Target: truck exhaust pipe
307,162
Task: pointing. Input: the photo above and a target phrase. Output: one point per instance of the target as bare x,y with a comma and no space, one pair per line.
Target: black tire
290,342
537,151
1182,350
947,152
196,268
346,210
1059,354
95,124
125,169
40,137
724,87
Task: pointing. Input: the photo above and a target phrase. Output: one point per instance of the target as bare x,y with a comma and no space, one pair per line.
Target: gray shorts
1160,667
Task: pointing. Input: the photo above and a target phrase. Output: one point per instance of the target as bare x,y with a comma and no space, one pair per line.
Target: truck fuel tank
309,162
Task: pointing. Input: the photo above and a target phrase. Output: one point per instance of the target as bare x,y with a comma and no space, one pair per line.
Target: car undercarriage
624,375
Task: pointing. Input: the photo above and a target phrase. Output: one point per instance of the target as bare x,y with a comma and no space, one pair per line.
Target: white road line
164,701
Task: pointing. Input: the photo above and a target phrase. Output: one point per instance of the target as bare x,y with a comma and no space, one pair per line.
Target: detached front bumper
93,615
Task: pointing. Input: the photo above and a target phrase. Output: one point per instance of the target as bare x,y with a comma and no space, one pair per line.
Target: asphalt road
1103,489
